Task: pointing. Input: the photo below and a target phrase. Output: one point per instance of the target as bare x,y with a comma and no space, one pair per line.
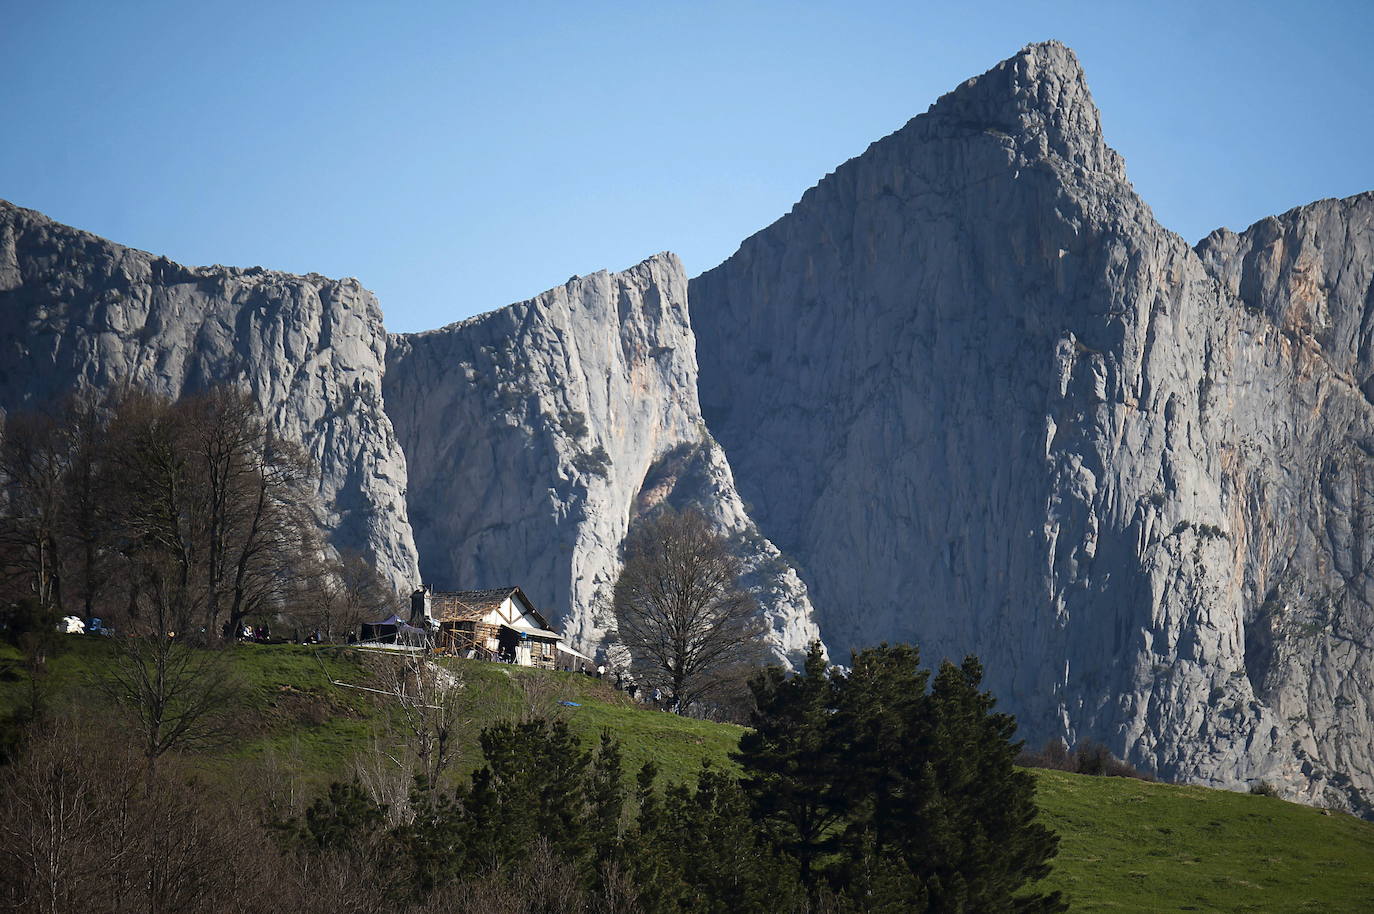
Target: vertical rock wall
996,408
77,311
537,433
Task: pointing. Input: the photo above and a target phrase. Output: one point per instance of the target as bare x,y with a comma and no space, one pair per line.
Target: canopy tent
572,659
393,630
564,648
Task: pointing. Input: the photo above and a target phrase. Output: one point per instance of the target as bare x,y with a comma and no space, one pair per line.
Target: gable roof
473,605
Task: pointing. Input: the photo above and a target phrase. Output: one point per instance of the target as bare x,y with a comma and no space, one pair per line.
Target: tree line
882,787
154,515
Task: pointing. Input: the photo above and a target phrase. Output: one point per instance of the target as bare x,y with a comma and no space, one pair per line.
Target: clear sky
456,157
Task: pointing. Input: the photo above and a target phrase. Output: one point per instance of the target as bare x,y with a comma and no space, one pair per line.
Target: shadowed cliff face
536,434
994,407
77,311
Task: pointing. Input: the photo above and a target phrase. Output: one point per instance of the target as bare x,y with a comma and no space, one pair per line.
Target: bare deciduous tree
180,695
79,833
33,465
86,519
338,595
193,513
679,607
214,509
432,706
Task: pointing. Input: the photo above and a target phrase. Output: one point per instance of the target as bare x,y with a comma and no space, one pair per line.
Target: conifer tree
793,774
896,792
707,853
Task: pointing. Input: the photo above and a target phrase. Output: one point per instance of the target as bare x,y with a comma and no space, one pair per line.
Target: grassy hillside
1126,846
295,716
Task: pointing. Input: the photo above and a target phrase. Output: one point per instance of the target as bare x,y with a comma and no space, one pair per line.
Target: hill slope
1126,845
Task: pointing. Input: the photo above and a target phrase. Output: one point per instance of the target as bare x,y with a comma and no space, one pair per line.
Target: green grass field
294,716
1126,845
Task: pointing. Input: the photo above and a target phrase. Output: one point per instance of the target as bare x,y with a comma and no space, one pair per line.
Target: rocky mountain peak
1037,98
996,408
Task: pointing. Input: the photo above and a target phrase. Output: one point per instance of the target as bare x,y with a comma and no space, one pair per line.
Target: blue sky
460,156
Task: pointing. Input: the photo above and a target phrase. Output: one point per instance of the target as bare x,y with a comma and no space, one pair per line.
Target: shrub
1088,757
595,463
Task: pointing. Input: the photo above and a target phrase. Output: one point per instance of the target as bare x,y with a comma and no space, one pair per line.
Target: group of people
506,655
656,698
259,633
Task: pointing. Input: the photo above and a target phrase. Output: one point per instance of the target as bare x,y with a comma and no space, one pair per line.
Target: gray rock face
1302,445
537,433
77,311
993,407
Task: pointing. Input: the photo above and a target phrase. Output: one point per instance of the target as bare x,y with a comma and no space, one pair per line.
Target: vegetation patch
1131,846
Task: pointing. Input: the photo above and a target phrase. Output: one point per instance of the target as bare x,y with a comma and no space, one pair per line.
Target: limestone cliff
537,433
993,406
79,311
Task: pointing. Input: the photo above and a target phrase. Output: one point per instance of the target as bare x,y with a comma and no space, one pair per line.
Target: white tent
565,648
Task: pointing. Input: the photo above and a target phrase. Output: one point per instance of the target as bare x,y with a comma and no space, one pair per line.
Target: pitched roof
472,605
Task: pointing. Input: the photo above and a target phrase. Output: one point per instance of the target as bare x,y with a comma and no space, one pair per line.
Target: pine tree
532,787
793,774
988,803
705,853
896,792
605,808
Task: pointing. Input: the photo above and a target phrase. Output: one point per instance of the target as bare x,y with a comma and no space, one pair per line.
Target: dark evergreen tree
345,818
793,774
655,863
993,844
605,796
532,787
901,793
538,786
704,852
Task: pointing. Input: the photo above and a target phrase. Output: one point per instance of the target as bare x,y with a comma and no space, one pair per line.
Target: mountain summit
996,408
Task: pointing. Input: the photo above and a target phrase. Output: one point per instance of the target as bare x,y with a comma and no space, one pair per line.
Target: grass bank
1126,845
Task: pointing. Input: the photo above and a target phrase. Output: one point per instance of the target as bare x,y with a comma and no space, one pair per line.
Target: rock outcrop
992,406
77,311
536,434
